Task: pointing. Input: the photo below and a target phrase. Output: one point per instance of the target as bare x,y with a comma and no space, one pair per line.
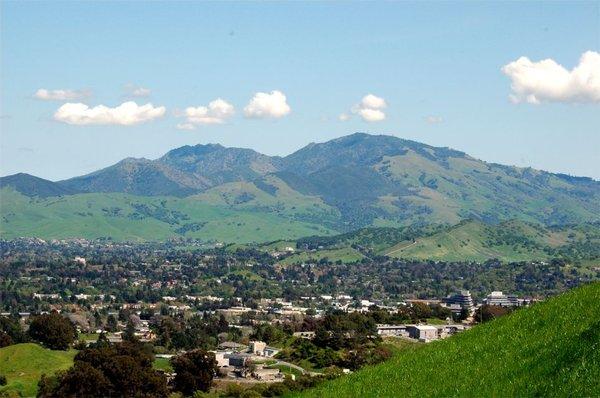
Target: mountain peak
30,185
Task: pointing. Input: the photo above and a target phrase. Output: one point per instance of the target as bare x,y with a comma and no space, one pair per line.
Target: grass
551,349
344,254
476,241
24,364
137,218
163,364
286,370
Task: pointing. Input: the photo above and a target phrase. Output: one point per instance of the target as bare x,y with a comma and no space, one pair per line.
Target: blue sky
436,66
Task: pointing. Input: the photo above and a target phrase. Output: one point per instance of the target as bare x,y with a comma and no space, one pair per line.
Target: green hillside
24,364
129,217
476,241
469,240
551,350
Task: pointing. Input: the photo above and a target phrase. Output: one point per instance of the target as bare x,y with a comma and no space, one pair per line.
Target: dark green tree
53,330
194,371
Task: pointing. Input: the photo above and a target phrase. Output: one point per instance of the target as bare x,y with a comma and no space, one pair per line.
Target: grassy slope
550,349
24,364
100,215
345,255
475,241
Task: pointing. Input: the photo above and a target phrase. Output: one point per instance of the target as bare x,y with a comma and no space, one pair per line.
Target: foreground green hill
549,349
24,364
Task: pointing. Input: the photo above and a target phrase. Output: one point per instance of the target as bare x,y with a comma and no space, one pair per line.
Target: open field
24,364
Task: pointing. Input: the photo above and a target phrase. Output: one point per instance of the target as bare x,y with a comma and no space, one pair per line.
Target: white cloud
370,109
217,112
343,117
265,105
126,114
61,95
432,119
186,126
548,81
137,91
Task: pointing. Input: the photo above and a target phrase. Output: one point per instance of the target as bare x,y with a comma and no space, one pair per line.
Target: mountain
30,185
348,183
551,349
180,172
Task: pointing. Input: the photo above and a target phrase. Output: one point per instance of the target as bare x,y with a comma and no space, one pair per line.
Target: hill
469,240
348,183
30,185
475,241
551,349
139,218
24,364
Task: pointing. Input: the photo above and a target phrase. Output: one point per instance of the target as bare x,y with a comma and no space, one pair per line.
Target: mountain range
340,185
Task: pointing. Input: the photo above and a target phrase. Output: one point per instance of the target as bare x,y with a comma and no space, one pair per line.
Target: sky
86,84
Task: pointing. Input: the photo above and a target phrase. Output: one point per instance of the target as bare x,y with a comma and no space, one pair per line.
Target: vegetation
237,195
23,365
104,370
194,371
53,330
549,349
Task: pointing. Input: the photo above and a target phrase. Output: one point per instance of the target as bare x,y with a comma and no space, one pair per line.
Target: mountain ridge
350,182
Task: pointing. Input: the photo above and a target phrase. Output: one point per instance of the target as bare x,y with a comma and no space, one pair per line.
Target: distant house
423,332
392,330
257,347
305,335
501,299
267,374
233,346
462,300
238,360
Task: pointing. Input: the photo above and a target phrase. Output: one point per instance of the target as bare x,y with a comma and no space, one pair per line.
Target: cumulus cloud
61,95
432,119
370,109
217,112
343,117
186,126
267,105
126,114
137,91
548,81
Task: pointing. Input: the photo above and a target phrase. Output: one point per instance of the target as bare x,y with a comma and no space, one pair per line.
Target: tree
5,339
111,323
129,333
489,312
53,330
119,370
11,329
194,371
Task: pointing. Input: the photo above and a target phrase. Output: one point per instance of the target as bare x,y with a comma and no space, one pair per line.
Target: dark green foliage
53,331
123,369
487,313
11,332
194,371
196,332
